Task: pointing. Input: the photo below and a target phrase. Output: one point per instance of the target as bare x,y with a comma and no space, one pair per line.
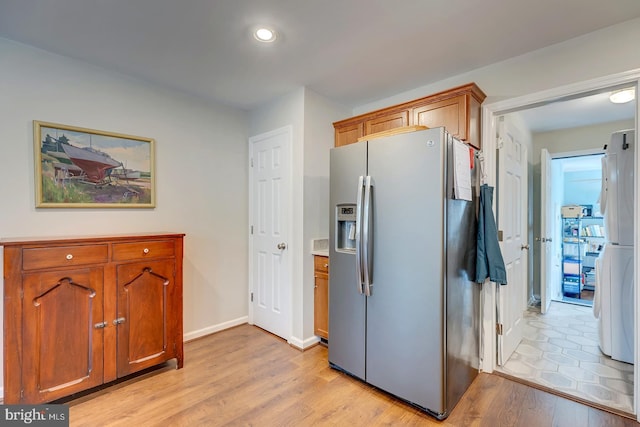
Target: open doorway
578,180
564,342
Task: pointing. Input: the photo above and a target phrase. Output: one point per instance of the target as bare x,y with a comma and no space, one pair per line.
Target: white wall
575,139
201,169
311,117
319,114
284,111
600,53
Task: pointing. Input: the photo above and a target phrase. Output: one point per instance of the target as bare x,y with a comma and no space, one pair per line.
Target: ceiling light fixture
623,95
265,35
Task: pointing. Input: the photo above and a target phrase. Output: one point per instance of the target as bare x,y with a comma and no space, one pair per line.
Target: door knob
282,246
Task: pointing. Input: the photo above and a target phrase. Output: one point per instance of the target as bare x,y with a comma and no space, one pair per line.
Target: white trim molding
214,328
490,112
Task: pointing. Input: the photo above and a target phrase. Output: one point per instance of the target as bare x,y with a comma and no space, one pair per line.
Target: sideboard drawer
64,256
140,250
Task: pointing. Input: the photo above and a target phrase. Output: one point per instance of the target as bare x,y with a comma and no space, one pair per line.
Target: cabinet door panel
450,113
145,294
386,122
321,311
348,134
63,349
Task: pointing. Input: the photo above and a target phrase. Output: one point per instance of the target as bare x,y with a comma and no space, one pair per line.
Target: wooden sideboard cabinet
321,296
457,109
81,312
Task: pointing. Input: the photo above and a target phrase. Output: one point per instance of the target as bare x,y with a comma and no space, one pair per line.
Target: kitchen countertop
320,247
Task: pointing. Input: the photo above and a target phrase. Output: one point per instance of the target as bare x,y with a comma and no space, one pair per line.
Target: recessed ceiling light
265,35
622,96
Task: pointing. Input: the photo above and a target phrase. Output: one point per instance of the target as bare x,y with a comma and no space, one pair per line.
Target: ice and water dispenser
346,227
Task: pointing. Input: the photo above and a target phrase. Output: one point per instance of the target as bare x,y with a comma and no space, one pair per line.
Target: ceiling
350,51
582,111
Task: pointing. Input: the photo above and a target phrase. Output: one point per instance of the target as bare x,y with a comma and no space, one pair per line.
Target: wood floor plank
246,377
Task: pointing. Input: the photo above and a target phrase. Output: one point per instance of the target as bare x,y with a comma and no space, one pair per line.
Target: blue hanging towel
489,261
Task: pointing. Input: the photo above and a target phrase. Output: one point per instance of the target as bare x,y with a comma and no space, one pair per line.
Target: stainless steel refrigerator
403,308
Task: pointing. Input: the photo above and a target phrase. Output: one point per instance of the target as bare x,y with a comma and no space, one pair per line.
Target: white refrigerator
615,289
403,307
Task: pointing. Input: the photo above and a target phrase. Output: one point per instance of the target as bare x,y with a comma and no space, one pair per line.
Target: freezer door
405,314
346,302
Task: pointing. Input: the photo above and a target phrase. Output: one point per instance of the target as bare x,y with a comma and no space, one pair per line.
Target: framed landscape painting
86,168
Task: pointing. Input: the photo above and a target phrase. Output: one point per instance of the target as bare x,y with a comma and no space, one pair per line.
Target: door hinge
252,229
499,235
251,161
251,296
499,328
21,394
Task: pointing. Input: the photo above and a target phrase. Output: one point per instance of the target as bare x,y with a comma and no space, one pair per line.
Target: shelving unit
593,234
582,241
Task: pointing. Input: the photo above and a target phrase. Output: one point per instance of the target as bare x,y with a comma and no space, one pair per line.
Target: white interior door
512,213
547,239
556,198
270,207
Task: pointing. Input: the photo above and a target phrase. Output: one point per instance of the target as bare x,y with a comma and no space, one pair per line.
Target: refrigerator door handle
359,234
367,238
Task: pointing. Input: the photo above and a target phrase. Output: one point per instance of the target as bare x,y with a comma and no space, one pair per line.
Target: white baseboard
215,328
303,344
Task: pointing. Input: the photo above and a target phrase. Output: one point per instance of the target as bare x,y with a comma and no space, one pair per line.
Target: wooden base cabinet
82,312
321,296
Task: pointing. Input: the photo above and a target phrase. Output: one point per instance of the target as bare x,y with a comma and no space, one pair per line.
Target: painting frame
77,167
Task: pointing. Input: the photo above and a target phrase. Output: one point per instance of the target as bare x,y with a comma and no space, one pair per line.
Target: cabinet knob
118,320
326,265
69,256
145,250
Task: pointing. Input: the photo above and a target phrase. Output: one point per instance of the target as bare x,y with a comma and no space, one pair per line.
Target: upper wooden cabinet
349,133
457,109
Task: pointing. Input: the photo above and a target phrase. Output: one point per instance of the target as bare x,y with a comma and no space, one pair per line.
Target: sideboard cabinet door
63,348
145,292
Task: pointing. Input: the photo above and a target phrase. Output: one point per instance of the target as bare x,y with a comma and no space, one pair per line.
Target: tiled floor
560,350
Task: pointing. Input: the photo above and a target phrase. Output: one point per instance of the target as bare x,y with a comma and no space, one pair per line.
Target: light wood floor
247,377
